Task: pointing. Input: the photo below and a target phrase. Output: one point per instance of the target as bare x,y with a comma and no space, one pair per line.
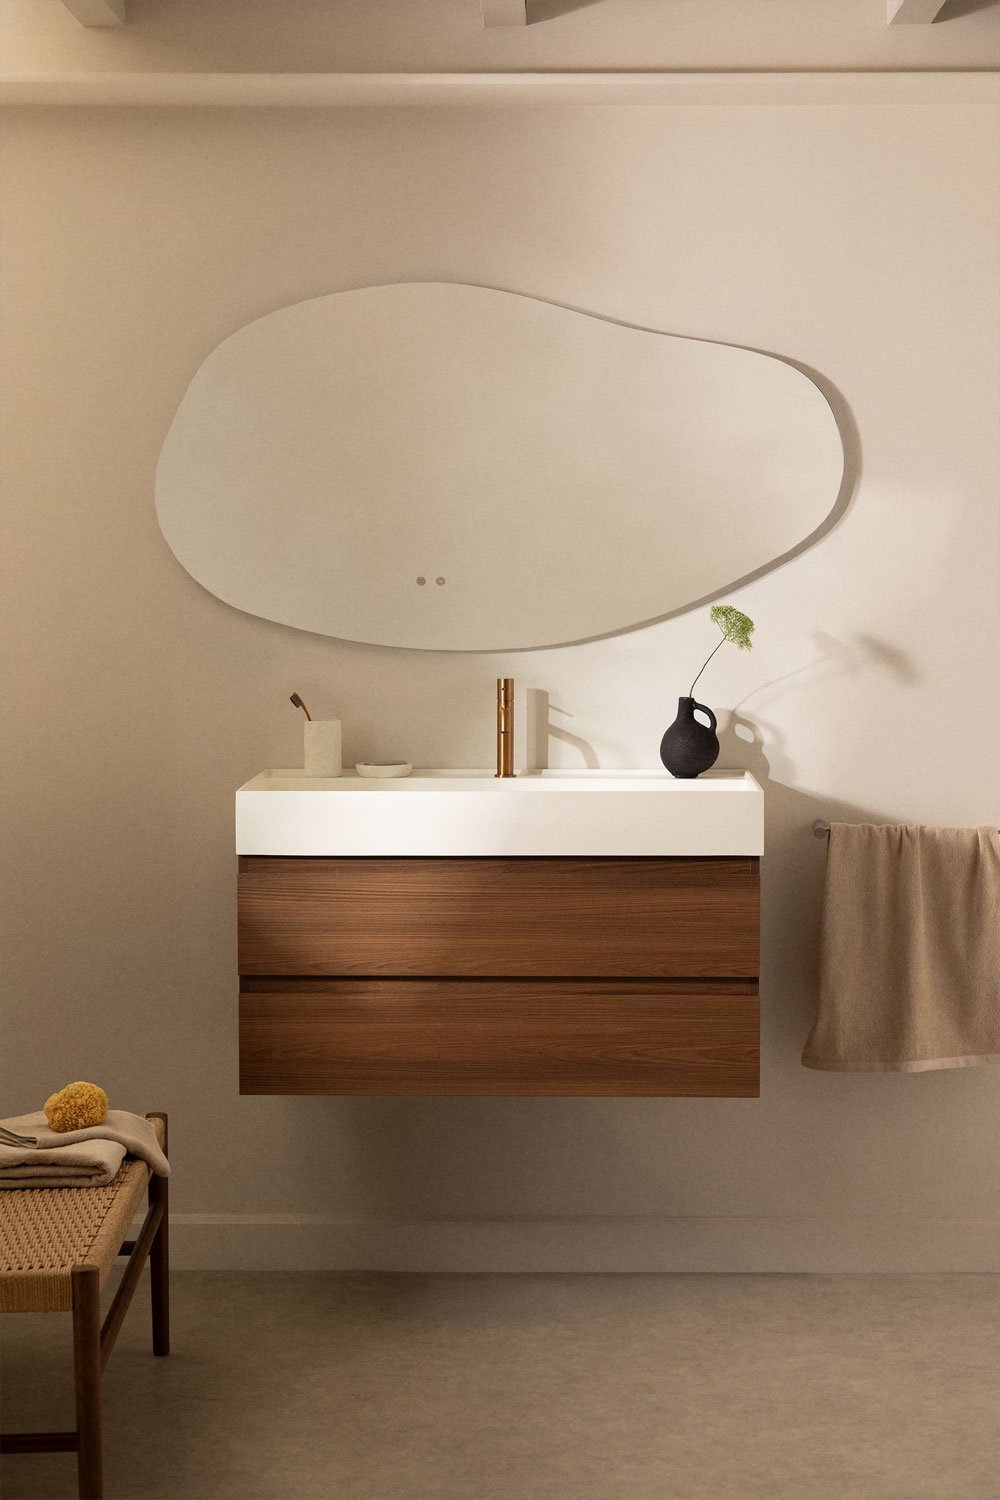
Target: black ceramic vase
688,747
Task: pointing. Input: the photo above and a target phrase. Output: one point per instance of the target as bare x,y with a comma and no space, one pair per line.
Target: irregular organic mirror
455,468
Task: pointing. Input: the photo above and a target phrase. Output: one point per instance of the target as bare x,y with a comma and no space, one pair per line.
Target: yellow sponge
76,1106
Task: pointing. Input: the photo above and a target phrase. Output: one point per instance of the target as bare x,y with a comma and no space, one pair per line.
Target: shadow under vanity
557,933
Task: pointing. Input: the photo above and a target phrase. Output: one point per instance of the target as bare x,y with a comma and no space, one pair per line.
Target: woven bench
57,1248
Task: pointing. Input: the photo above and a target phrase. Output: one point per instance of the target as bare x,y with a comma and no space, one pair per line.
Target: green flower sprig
735,626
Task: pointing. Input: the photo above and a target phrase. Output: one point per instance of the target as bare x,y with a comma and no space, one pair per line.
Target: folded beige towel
910,950
76,1158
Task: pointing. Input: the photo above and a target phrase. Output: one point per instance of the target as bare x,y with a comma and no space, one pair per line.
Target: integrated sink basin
558,933
600,814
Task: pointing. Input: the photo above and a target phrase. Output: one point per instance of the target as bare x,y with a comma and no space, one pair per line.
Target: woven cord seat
45,1232
57,1246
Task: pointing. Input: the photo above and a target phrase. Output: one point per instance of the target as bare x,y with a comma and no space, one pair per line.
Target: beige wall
861,241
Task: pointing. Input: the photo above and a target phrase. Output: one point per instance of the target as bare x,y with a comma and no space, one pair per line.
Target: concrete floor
365,1387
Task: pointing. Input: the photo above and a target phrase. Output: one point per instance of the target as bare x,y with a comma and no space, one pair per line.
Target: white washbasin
448,813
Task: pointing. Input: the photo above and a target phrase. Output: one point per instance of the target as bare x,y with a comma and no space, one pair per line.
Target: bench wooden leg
159,1259
87,1378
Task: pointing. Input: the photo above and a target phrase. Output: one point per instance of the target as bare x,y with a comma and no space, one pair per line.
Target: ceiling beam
913,12
505,12
97,12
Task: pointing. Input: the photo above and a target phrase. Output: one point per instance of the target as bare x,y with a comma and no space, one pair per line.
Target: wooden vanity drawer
499,917
523,1037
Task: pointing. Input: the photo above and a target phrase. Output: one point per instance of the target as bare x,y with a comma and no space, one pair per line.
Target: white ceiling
500,12
319,36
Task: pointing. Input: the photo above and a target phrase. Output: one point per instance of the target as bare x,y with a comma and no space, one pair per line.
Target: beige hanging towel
909,951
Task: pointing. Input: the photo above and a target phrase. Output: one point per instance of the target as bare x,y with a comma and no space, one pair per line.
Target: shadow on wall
851,439
541,728
952,10
551,10
834,658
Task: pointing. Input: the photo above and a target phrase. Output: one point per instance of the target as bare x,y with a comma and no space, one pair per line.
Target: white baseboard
306,1242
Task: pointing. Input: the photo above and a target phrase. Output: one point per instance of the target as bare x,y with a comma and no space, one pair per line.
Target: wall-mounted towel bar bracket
821,830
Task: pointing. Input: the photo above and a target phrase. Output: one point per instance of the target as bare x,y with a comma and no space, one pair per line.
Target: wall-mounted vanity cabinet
478,958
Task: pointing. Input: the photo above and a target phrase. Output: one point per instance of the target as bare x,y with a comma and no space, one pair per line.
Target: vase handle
703,708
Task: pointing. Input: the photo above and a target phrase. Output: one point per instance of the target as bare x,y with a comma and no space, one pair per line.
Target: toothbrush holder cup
323,747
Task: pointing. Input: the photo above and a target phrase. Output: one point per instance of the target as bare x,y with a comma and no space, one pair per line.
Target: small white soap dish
384,768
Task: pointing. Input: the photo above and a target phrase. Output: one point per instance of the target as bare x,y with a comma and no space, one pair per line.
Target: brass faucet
505,726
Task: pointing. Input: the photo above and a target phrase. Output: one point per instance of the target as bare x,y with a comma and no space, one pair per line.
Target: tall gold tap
505,726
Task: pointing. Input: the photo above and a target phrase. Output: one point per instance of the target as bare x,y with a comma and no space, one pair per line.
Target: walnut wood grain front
597,918
499,1037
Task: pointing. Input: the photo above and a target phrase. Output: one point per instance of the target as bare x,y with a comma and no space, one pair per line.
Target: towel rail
821,830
